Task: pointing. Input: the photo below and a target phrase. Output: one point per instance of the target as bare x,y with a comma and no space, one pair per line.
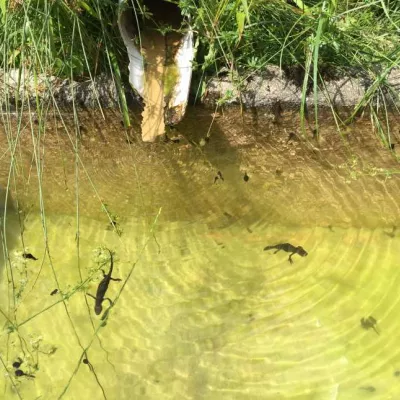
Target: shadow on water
212,179
183,173
212,164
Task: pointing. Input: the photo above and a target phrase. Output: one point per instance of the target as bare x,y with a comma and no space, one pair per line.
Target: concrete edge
273,86
266,89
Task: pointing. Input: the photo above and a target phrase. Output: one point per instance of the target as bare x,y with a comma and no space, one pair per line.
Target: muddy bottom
201,311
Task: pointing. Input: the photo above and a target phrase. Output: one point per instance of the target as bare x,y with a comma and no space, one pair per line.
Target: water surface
202,311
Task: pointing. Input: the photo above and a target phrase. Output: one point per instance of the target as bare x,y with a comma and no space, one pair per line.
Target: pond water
201,311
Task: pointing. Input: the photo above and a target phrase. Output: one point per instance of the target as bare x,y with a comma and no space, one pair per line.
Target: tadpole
391,234
29,256
19,372
370,389
17,364
368,323
89,364
292,136
218,176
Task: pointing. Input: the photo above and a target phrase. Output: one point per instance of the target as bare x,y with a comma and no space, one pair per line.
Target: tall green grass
70,39
58,37
319,38
79,39
251,34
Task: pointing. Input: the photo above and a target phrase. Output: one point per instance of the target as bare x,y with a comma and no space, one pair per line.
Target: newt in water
288,248
103,286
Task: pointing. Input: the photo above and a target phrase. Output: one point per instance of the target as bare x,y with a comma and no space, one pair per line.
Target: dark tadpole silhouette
292,137
278,172
55,291
29,256
391,234
370,389
368,323
19,373
218,176
89,364
246,177
17,364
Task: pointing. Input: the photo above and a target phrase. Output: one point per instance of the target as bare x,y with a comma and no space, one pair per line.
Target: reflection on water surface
202,311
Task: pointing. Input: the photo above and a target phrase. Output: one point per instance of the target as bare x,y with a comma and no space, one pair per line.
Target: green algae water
201,311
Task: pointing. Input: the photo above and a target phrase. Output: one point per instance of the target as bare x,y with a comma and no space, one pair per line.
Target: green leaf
86,7
13,56
301,5
240,18
3,9
246,10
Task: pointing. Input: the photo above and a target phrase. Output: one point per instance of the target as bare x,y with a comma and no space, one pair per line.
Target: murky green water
202,312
